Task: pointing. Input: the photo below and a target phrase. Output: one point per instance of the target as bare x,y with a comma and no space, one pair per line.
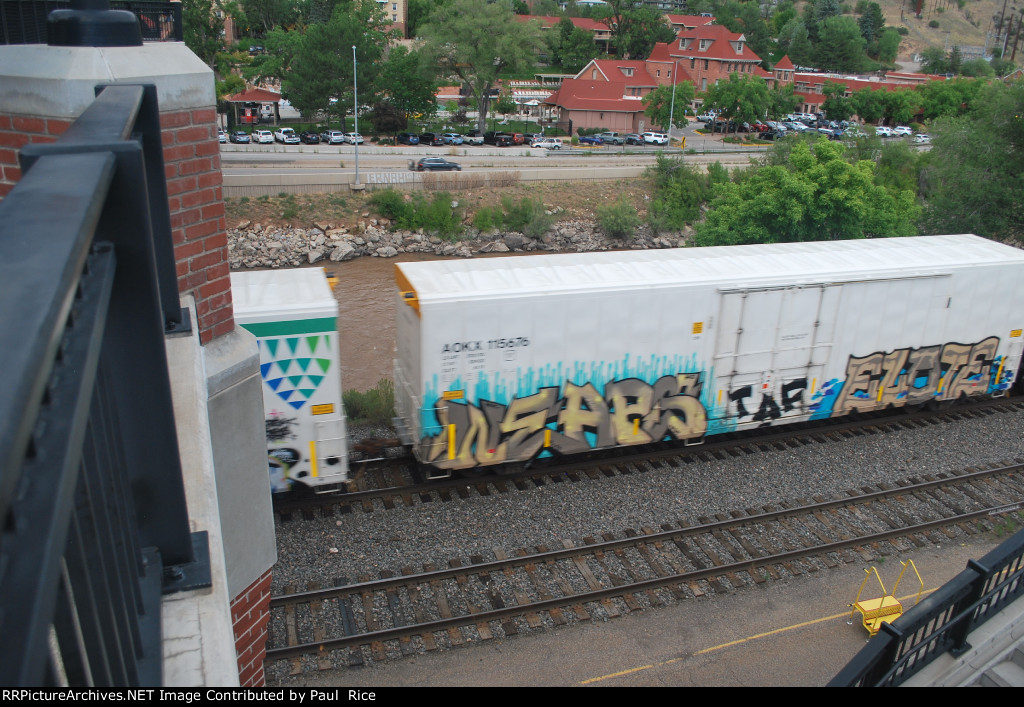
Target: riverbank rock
258,246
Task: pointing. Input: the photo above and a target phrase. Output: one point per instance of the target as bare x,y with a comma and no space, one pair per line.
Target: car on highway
333,137
436,164
240,137
451,138
263,137
590,140
353,138
651,138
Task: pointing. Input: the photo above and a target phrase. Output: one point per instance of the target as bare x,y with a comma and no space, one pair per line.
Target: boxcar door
771,347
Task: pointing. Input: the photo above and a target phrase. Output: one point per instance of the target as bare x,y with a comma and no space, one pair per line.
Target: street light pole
672,109
355,110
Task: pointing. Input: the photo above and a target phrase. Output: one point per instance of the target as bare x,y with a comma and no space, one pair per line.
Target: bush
679,192
375,407
528,217
438,216
933,24
487,217
902,31
391,204
618,220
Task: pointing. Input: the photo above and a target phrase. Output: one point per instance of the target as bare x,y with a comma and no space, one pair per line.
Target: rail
24,21
940,623
91,492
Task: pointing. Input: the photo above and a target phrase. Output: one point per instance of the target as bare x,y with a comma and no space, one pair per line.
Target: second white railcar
505,359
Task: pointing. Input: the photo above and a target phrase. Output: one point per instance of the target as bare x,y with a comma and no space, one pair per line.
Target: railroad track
528,590
388,483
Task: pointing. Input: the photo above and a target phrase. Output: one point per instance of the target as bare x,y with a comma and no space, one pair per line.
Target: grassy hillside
961,26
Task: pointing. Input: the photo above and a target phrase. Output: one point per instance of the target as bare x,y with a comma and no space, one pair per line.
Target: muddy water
366,317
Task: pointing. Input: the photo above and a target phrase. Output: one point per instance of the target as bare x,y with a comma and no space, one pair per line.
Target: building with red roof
584,103
688,22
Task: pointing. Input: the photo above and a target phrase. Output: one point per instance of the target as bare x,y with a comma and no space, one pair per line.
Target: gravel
437,532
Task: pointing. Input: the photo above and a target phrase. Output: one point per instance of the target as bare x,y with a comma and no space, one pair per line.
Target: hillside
965,27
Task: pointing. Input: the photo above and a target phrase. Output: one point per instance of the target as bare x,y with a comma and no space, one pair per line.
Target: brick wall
250,613
192,163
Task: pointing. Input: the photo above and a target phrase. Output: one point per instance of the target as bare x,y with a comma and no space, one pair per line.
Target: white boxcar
503,359
294,315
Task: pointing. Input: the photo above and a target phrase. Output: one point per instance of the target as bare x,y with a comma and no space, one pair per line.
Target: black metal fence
92,501
941,622
24,21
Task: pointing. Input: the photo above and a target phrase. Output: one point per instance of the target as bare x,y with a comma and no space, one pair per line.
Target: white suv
656,138
264,137
353,138
548,143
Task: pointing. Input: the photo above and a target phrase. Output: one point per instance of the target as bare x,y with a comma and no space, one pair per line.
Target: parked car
498,139
590,140
519,139
655,138
707,117
922,139
431,139
634,139
452,138
883,131
548,143
533,137
353,138
333,137
612,138
240,137
436,163
287,136
408,139
901,130
222,135
473,137
309,138
263,137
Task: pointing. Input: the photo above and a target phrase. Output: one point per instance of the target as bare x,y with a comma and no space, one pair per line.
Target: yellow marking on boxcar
312,458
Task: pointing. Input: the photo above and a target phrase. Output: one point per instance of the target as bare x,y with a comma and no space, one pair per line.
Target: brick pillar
37,108
250,612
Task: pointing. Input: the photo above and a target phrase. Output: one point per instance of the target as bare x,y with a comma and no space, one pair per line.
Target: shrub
391,204
438,216
902,31
376,406
679,192
933,24
528,217
618,220
487,217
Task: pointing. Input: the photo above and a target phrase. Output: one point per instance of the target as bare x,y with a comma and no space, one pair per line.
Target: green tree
947,99
867,104
871,23
408,83
782,100
901,106
837,106
974,174
842,46
819,196
658,103
743,98
320,76
977,68
573,48
262,16
202,26
476,42
638,30
888,45
934,61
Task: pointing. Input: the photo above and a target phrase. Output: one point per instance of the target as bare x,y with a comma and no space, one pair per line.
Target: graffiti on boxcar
912,376
628,411
766,410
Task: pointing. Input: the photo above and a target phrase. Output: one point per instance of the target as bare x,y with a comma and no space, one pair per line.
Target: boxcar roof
728,267
281,295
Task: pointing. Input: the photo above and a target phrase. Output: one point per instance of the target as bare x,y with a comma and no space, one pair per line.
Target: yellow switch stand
875,612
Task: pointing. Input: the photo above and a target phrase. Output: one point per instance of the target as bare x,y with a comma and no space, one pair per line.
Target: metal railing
24,21
95,525
941,622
